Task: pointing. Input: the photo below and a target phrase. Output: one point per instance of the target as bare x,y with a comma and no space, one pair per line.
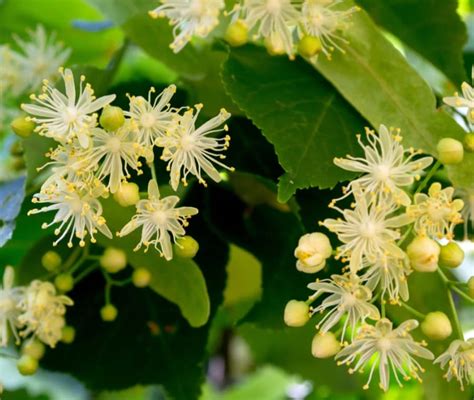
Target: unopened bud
423,253
296,313
436,326
325,345
141,277
27,365
113,260
450,151
68,334
312,251
128,194
469,142
64,282
23,126
274,45
51,260
112,118
109,313
451,255
186,247
33,348
470,287
309,46
237,33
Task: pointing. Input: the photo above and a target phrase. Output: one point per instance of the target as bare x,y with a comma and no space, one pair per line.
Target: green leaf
306,120
179,280
433,28
380,84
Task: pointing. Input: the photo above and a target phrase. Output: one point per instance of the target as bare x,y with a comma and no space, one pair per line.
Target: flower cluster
280,24
32,311
373,232
90,162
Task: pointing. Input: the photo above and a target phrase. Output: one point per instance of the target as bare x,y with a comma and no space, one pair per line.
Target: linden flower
77,210
367,231
385,166
436,213
320,19
312,252
40,57
43,312
191,150
466,100
10,76
160,220
190,18
460,361
116,152
347,295
390,349
390,274
152,118
64,117
9,298
272,20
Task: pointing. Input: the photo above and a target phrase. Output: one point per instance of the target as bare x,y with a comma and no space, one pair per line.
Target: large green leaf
302,115
179,280
378,82
433,28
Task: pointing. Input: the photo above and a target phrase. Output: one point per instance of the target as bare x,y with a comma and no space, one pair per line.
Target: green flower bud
296,313
325,345
23,126
451,255
51,260
33,348
237,34
64,282
275,46
423,253
469,142
16,149
68,334
436,326
186,247
450,151
309,46
141,277
108,313
112,118
128,194
27,365
113,260
470,286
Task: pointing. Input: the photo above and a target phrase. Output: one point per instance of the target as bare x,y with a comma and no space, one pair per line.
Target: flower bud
451,255
469,142
64,282
108,313
436,326
470,286
423,253
23,126
16,149
309,46
141,277
128,194
274,45
296,313
450,151
325,345
186,247
51,261
68,334
113,260
33,348
237,33
312,251
112,118
27,365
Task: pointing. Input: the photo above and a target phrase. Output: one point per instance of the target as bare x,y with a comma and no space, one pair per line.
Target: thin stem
108,288
465,296
416,313
84,273
153,171
428,176
452,306
312,298
382,307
